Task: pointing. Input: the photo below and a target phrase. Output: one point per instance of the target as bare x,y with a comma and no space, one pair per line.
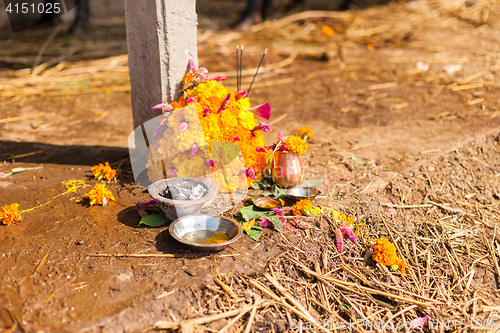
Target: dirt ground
392,143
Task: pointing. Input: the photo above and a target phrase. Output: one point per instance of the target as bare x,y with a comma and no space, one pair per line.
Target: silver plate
193,230
300,193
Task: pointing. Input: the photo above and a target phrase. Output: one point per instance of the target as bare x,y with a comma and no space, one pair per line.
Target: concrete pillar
161,38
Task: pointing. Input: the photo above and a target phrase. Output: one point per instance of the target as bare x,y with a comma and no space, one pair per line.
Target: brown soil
386,136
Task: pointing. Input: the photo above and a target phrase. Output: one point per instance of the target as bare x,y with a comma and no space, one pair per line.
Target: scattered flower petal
450,69
262,127
236,138
348,232
145,204
206,111
210,162
423,66
165,107
183,127
174,172
260,149
339,240
194,148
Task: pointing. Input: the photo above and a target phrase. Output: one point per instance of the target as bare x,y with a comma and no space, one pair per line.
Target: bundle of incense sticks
239,66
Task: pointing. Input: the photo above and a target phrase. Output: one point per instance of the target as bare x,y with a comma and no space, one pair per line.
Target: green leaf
255,232
310,182
275,220
17,170
250,212
153,220
256,186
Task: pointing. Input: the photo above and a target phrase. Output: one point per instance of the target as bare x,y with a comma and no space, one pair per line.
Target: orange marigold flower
295,144
100,195
303,131
384,252
301,207
103,171
9,214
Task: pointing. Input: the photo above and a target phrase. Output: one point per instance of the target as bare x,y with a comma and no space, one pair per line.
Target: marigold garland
208,112
9,214
384,252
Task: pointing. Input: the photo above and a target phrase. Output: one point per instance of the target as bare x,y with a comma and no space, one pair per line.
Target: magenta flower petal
280,134
191,100
183,127
210,162
160,128
218,78
240,94
265,223
262,127
225,102
174,172
250,173
142,213
262,111
236,138
278,211
144,204
165,107
339,240
260,149
192,66
206,111
348,232
194,148
418,322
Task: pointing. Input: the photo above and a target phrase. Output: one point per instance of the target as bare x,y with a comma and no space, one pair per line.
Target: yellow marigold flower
384,252
103,171
100,195
305,131
9,214
327,30
248,225
296,144
302,206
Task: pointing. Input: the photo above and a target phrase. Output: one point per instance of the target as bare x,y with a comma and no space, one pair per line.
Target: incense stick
237,68
241,66
257,71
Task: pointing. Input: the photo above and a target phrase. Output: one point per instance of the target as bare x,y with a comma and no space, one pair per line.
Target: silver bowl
300,193
174,209
206,232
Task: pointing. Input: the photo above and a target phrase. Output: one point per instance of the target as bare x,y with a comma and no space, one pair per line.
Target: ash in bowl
184,191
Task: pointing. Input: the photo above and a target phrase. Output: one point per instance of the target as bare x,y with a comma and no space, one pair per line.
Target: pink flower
183,127
263,127
260,149
240,94
191,100
163,125
280,134
225,102
418,322
174,172
2,174
278,211
194,148
236,138
210,162
206,111
262,111
165,107
250,173
339,240
195,69
348,232
218,78
265,223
